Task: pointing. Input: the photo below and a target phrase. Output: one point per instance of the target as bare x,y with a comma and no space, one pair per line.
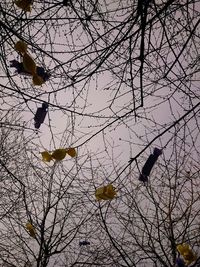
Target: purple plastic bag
149,164
40,115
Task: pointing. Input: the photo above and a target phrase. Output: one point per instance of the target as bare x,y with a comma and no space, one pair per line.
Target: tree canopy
90,90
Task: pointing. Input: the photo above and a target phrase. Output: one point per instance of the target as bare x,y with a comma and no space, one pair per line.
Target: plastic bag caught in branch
180,262
31,230
40,115
84,243
42,73
105,193
149,164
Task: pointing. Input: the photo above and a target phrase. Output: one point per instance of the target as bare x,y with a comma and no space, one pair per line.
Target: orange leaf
71,152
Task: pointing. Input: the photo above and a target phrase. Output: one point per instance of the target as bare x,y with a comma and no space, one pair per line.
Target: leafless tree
122,78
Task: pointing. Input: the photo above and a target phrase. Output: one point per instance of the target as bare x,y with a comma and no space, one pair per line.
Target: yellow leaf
59,154
182,248
105,192
186,253
25,5
29,64
110,191
46,156
21,47
37,80
99,194
31,230
71,152
189,257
